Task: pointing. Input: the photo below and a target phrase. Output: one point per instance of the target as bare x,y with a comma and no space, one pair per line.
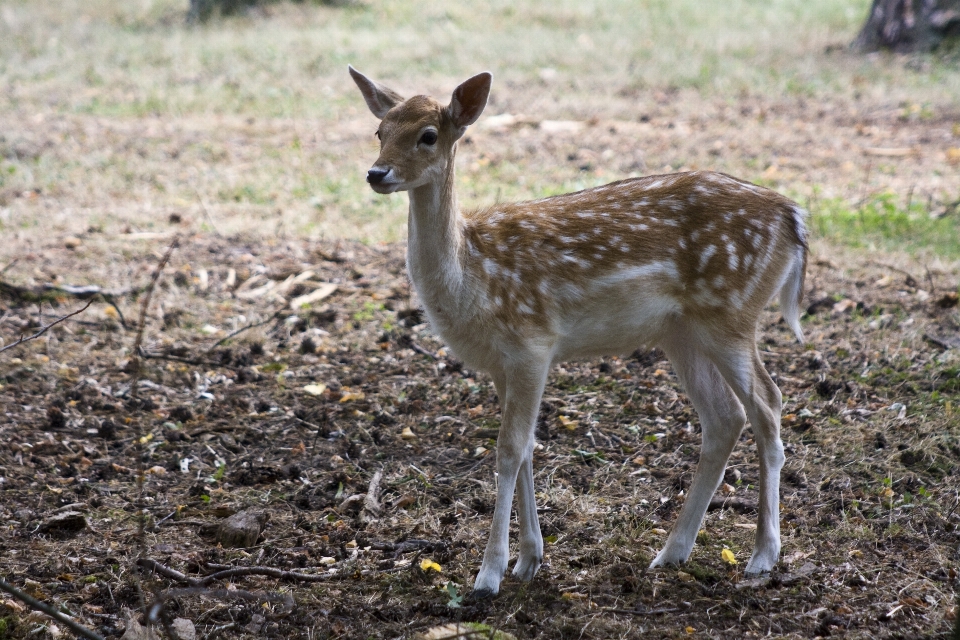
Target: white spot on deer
694,235
659,269
585,214
656,184
757,239
732,258
566,239
491,267
705,256
683,243
718,282
524,308
670,223
624,248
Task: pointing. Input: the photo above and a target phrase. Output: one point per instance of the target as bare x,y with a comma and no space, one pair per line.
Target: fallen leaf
317,389
348,396
568,423
426,564
408,434
683,576
727,556
476,411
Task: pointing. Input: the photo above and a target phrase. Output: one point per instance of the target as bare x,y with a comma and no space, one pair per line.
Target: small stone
241,530
72,242
66,522
184,629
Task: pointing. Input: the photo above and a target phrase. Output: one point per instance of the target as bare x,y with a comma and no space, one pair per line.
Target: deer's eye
429,138
377,133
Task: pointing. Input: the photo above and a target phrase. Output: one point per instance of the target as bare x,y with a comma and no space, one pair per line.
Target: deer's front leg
520,388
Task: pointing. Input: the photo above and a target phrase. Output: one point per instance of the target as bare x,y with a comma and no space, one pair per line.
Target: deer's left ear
468,100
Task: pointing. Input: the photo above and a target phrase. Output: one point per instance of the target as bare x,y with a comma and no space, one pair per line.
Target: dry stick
898,270
206,214
252,325
270,572
43,330
9,264
134,401
642,612
37,605
146,355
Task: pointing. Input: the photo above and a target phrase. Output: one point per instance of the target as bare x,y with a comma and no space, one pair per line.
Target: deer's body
683,261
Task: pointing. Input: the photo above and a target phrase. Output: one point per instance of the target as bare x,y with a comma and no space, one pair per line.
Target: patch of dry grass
116,115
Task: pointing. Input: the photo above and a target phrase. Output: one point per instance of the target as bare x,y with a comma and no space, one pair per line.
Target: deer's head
418,135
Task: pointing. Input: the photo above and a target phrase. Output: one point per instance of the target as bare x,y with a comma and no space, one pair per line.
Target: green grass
885,222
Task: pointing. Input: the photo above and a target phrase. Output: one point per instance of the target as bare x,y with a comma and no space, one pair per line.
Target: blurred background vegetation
250,114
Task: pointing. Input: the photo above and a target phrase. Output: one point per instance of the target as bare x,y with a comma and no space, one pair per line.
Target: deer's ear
469,99
378,98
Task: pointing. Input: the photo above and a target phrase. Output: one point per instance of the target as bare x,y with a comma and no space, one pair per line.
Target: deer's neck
435,236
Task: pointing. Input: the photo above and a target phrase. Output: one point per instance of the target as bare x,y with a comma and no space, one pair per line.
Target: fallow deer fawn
684,261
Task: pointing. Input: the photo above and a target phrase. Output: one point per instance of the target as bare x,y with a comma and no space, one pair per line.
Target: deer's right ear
379,98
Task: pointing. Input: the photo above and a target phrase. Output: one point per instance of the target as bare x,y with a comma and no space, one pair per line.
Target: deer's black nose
376,175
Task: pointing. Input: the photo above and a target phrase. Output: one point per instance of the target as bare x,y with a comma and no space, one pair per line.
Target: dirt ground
296,416
363,447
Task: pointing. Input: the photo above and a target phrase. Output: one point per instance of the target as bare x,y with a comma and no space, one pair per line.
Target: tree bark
909,25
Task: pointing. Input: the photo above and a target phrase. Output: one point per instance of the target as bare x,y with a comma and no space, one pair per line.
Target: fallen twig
252,325
642,612
134,403
231,572
910,280
406,341
37,605
371,503
46,328
236,594
206,214
149,355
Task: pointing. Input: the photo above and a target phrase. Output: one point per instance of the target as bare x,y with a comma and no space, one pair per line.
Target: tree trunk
909,25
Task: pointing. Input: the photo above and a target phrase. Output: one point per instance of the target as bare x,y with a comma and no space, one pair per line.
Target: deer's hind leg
722,419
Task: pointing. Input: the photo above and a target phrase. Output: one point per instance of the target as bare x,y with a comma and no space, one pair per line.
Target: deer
684,261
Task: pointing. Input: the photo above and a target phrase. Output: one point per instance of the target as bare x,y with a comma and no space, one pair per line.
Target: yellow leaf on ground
351,395
426,564
568,423
408,434
728,557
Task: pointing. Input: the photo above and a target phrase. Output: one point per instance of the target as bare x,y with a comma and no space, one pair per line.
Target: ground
112,151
